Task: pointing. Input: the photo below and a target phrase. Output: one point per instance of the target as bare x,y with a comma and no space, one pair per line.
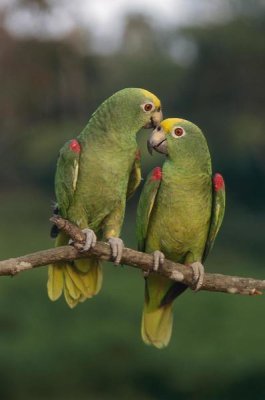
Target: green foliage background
48,91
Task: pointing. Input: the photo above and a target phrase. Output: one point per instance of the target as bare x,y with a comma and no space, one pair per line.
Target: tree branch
174,271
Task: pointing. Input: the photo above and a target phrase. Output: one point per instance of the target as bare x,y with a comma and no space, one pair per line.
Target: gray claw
198,275
91,239
159,259
117,247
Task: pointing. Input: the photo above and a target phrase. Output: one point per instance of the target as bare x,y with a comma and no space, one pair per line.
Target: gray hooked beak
157,141
156,118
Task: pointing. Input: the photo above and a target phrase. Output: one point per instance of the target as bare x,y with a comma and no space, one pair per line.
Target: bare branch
175,271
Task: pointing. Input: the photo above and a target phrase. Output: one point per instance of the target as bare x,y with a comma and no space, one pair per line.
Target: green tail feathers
157,318
75,284
157,326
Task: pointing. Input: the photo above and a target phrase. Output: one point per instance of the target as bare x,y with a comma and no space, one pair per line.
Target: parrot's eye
178,132
148,107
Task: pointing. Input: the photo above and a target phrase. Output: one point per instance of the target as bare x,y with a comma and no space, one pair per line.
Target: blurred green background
207,67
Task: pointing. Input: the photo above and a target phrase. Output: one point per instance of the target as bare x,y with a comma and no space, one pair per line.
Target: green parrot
180,211
95,174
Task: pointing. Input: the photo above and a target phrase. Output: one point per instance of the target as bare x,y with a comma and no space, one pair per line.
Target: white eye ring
178,132
148,107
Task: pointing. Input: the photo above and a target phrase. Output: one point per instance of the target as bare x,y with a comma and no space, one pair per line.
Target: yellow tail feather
69,283
55,282
77,285
69,299
157,326
89,283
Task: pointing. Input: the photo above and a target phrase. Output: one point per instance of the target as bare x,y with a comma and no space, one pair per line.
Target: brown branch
175,271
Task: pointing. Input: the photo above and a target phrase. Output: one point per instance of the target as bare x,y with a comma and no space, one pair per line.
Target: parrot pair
179,213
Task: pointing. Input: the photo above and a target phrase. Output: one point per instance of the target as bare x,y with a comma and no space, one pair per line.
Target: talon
159,259
198,275
117,247
90,241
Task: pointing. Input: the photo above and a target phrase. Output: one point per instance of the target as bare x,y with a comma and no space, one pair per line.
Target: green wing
66,175
135,176
145,205
218,210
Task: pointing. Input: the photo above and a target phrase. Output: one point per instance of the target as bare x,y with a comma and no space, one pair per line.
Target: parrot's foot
90,241
158,259
117,246
198,275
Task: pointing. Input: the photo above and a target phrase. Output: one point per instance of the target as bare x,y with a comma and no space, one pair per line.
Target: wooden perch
175,271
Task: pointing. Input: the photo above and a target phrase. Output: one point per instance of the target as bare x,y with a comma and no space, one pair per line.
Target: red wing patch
218,182
75,146
156,174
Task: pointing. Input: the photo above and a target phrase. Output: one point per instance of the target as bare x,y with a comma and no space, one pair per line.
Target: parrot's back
91,184
102,182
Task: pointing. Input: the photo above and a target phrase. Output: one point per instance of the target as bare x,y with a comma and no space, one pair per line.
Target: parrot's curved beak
155,119
157,141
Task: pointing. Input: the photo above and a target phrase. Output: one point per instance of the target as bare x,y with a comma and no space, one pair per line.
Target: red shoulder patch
138,155
218,182
75,146
156,174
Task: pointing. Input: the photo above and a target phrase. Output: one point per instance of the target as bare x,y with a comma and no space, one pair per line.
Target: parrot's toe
117,247
159,259
90,241
198,275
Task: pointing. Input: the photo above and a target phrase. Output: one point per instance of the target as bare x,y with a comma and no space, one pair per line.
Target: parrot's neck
111,129
187,167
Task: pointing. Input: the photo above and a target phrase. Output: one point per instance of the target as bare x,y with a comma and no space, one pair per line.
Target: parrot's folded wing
135,176
66,175
218,210
145,205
